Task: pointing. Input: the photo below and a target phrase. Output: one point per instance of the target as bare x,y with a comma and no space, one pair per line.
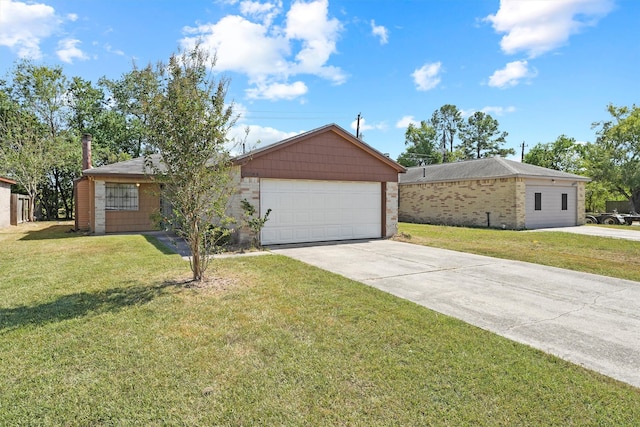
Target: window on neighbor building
538,201
121,197
565,201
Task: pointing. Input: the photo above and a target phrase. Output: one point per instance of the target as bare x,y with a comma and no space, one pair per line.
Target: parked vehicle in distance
613,218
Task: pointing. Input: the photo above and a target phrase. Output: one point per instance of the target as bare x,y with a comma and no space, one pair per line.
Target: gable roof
488,168
312,133
136,168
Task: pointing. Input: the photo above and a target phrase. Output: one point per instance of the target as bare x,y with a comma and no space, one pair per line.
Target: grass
599,255
103,331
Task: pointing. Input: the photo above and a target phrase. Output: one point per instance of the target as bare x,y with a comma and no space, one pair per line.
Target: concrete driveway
619,232
590,320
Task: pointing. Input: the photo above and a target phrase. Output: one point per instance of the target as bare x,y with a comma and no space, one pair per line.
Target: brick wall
138,220
391,209
465,203
581,204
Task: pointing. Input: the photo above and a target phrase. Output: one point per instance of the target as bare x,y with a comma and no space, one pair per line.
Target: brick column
100,207
392,209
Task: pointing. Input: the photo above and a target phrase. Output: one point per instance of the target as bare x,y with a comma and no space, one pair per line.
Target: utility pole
358,127
522,155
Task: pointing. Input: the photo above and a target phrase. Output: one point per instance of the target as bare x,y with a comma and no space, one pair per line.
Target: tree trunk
32,206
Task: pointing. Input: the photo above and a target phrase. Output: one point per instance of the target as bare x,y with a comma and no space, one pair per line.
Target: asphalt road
591,320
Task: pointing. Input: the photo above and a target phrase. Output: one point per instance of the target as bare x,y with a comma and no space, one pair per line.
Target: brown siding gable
328,152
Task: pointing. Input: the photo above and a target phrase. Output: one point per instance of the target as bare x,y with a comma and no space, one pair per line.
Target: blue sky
542,68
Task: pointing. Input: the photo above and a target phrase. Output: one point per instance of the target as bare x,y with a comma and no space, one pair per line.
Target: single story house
321,185
492,192
5,201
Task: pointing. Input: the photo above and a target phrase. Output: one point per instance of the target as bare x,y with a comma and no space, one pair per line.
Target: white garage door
550,206
316,211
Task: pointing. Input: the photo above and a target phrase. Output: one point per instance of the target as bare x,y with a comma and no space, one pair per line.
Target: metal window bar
121,197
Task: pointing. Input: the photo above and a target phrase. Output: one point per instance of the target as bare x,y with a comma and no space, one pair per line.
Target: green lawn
103,331
598,255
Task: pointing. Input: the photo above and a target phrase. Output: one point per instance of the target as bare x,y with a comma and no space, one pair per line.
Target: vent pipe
424,172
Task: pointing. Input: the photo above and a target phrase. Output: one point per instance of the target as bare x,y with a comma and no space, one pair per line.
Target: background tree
614,159
188,123
42,92
25,153
446,121
564,154
421,146
127,98
481,137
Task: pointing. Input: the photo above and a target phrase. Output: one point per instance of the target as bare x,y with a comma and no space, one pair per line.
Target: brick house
321,185
493,192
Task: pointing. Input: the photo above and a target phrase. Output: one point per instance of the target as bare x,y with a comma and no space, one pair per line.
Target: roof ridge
507,165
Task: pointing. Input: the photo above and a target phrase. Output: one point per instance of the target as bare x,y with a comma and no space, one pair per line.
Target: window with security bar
121,197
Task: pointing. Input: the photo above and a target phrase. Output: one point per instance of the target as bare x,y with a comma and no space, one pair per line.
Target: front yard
104,330
598,255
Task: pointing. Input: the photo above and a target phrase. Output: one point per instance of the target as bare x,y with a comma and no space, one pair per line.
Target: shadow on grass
80,305
168,244
54,231
162,247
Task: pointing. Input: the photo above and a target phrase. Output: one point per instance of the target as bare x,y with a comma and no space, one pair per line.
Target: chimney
86,151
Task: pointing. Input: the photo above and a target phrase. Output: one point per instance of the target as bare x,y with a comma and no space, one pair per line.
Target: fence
20,208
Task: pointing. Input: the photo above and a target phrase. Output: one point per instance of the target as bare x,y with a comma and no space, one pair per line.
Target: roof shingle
492,167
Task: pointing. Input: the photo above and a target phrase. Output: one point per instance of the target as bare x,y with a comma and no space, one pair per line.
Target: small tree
255,223
188,123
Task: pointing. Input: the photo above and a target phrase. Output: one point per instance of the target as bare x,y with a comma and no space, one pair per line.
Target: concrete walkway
587,319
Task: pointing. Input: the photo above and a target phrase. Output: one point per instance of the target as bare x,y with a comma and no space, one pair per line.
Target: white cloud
498,111
264,12
68,51
427,77
277,91
24,25
110,49
309,23
540,26
511,74
405,121
258,137
364,126
242,46
270,54
73,17
380,32
466,113
491,110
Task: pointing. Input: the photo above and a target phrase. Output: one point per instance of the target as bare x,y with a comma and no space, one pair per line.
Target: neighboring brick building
492,192
5,201
322,185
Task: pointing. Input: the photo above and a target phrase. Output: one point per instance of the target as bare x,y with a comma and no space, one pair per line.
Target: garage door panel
550,213
307,211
